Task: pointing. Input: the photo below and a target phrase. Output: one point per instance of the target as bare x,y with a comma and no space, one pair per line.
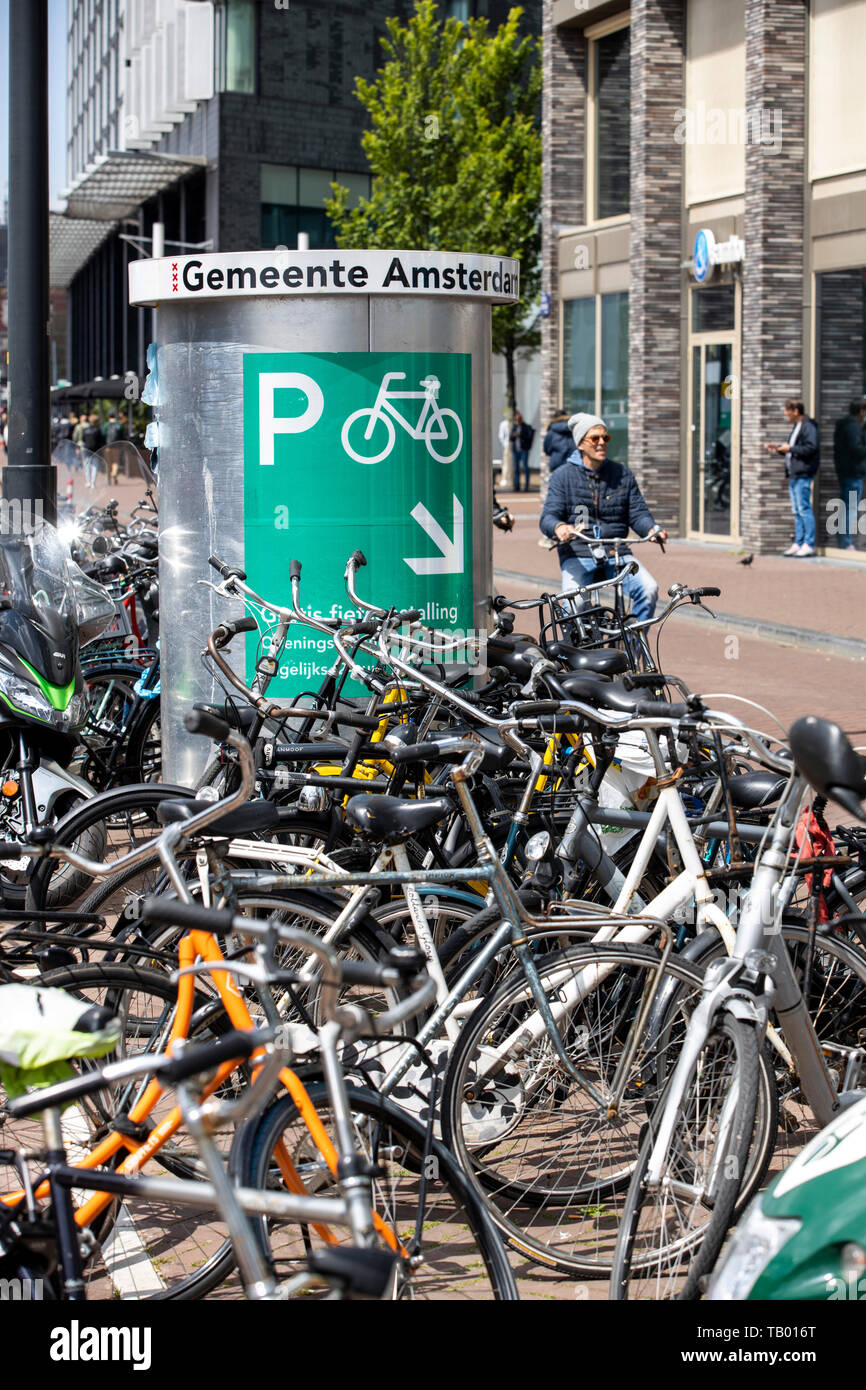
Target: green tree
454,147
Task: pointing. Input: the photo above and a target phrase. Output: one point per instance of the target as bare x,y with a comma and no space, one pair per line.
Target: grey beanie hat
581,424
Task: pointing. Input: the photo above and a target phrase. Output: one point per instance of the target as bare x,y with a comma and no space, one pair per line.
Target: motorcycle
48,609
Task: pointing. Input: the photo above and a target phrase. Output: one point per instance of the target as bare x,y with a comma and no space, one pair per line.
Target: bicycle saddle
394,818
595,661
593,690
449,673
830,765
752,789
255,817
360,1273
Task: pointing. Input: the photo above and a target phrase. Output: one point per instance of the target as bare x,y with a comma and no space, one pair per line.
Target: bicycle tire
551,1209
387,1135
647,1264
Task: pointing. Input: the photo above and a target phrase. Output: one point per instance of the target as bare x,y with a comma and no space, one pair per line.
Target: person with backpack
522,436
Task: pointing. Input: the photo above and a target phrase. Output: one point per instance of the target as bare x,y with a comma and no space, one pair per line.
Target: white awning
115,184
72,241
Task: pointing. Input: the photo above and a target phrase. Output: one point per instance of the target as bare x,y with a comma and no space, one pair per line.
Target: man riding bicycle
593,494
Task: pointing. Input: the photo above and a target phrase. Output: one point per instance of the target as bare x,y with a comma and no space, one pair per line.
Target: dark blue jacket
804,459
609,498
849,448
558,443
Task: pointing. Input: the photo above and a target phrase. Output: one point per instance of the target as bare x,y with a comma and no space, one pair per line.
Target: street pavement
790,635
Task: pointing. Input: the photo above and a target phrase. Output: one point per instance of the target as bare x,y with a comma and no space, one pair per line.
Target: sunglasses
598,438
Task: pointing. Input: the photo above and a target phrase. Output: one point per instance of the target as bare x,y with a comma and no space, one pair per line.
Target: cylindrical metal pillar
29,476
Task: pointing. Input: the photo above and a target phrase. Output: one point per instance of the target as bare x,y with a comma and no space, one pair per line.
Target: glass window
240,42
614,372
842,377
457,9
612,123
357,184
314,186
578,355
279,183
713,308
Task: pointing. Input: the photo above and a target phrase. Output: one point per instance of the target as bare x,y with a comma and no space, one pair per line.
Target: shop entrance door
714,456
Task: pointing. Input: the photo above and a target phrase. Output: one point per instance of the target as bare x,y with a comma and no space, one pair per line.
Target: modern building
704,234
224,122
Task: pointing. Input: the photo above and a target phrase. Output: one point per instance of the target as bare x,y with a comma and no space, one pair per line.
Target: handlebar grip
367,628
199,721
643,680
659,709
409,615
358,721
226,631
499,602
227,571
358,559
207,1056
711,592
405,961
172,913
561,724
10,850
294,569
527,707
415,753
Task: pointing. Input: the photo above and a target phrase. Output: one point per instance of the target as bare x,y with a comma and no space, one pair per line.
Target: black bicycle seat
606,694
749,790
395,818
595,661
253,818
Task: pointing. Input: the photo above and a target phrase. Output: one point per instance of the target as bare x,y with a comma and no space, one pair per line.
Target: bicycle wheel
145,1249
672,1229
538,1147
144,750
450,1248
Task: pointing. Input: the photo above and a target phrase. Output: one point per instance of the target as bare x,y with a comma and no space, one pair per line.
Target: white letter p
271,424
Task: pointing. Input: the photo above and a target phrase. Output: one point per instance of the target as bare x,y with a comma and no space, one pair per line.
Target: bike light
755,1242
10,788
537,846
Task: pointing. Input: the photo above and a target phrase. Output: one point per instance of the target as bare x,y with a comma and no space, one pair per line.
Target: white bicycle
434,425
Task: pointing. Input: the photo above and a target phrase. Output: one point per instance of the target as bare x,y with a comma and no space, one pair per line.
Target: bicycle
693,1157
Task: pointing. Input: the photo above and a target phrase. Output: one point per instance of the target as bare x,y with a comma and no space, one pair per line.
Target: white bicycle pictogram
433,424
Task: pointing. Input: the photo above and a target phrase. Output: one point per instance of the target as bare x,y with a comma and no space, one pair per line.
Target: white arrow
451,559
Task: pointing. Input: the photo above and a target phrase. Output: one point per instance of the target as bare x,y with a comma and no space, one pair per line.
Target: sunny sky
56,97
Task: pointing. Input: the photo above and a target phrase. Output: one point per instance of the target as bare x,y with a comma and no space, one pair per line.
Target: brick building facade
739,243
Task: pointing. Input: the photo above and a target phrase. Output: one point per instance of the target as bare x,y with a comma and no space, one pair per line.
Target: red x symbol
174,284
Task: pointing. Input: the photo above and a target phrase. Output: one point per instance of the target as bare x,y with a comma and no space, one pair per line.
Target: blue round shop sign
701,264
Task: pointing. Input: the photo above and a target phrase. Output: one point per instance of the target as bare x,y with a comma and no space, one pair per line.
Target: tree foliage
454,147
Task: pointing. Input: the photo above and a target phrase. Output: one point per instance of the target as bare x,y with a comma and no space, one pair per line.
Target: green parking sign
357,450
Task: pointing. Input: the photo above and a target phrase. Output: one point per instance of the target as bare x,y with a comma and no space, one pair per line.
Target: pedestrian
522,436
92,440
558,443
600,497
802,461
849,456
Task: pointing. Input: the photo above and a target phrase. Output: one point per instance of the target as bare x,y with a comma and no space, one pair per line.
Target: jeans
801,505
640,587
521,460
850,491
